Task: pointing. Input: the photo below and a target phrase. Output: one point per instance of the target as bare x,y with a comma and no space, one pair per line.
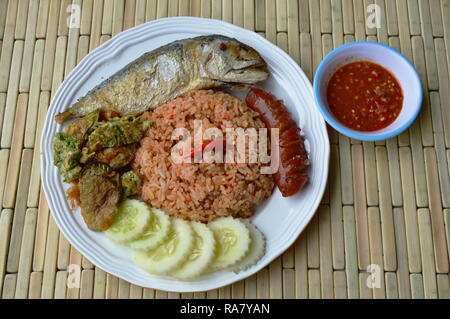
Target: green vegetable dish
66,153
94,154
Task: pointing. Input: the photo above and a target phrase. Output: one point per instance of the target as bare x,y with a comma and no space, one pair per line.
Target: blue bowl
388,58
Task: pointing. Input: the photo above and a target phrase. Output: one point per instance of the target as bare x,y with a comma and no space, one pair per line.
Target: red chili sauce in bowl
364,96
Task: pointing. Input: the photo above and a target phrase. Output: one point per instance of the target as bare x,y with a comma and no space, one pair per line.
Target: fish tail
61,118
78,109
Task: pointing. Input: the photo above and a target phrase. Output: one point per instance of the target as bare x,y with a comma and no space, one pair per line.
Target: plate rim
115,43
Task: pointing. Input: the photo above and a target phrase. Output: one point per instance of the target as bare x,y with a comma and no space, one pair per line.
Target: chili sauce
364,96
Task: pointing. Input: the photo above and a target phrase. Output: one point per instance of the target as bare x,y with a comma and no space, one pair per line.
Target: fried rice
200,191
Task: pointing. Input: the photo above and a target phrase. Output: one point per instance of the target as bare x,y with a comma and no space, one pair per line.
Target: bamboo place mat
387,203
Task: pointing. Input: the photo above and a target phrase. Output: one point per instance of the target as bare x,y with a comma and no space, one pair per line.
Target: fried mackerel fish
172,70
94,155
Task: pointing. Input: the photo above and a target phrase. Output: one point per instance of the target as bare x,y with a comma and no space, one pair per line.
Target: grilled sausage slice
289,178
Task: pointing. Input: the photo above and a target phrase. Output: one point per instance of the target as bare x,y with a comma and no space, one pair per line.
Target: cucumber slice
201,254
155,232
233,241
171,253
129,222
256,251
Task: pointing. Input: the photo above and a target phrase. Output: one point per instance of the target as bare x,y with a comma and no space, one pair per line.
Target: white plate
280,219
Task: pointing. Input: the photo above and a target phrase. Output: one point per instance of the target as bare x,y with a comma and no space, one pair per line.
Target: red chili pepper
202,147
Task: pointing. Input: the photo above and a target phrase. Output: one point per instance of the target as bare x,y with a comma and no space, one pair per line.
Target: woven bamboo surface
387,203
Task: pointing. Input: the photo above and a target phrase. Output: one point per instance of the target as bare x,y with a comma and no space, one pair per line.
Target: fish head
231,62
